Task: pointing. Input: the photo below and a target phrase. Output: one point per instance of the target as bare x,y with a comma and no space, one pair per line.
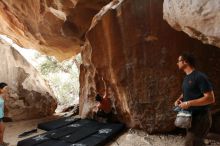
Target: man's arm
179,100
208,98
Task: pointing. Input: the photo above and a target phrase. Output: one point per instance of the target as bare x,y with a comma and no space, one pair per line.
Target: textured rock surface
30,96
135,51
54,27
128,46
198,18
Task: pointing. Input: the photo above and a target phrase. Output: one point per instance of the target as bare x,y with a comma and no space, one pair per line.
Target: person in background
103,108
3,96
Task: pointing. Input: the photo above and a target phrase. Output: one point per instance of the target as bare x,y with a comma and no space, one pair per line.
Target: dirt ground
13,129
141,138
130,138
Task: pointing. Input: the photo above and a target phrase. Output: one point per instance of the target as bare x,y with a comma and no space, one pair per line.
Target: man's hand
184,105
177,102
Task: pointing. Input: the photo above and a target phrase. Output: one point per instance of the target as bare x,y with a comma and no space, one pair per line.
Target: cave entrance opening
62,77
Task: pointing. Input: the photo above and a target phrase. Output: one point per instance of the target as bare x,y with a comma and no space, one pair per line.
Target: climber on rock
104,107
3,96
196,97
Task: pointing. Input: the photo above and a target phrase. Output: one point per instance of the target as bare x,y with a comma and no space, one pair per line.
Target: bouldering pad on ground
80,132
55,124
55,143
34,140
83,132
76,127
106,133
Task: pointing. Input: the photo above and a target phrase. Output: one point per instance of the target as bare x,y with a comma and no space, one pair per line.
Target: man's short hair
2,85
98,98
189,58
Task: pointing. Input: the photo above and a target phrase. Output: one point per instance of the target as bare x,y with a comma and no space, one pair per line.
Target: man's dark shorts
201,123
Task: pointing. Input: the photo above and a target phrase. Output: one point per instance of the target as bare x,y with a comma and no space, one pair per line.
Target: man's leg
101,113
193,140
190,137
199,142
201,124
205,122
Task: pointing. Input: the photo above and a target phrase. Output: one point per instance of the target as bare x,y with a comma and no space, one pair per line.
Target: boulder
200,19
30,95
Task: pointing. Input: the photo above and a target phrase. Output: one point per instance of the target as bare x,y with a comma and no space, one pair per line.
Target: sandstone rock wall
30,95
136,52
200,19
54,27
126,45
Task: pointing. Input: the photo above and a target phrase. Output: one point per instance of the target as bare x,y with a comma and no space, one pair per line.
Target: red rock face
53,27
135,52
131,49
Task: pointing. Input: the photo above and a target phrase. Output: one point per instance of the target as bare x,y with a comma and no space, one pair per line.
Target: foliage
63,78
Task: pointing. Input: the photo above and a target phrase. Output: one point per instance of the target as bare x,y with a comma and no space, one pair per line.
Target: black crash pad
106,133
76,127
55,124
90,133
34,140
83,132
54,143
